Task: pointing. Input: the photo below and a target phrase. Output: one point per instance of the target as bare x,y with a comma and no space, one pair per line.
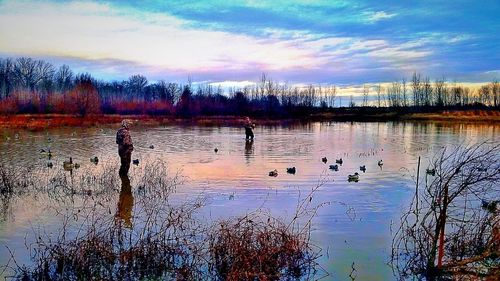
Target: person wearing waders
249,126
125,147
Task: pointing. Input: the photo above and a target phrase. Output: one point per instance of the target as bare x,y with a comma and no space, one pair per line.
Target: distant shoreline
46,121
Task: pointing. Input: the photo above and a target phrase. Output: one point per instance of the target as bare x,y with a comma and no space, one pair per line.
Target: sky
233,42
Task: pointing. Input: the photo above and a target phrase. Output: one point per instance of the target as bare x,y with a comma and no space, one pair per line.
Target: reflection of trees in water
447,231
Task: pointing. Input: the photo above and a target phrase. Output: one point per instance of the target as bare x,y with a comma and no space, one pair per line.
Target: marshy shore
46,121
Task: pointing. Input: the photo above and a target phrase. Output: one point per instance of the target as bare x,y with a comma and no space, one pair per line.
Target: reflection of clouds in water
243,167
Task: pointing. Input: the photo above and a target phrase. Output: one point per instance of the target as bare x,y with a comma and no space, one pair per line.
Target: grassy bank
45,121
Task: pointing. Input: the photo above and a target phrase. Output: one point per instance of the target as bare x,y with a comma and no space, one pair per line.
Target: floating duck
339,161
380,163
334,167
94,160
291,170
273,173
354,177
152,146
77,165
482,169
362,168
216,150
231,196
324,159
50,165
431,172
135,161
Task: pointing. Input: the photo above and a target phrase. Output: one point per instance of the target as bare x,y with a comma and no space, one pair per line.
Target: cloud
373,17
307,41
93,31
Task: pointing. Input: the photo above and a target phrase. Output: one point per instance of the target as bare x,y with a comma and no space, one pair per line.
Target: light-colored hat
125,123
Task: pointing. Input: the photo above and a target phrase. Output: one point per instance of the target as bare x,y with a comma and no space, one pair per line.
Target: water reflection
239,171
248,150
125,203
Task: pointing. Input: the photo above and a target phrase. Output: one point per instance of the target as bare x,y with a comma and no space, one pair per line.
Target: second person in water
249,126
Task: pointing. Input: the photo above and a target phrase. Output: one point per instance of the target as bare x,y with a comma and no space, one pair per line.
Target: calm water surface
353,230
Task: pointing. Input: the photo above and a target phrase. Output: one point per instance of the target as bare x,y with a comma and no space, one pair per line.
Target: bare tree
495,90
439,90
426,92
379,90
485,95
136,84
332,95
404,93
6,77
452,226
394,94
84,96
366,90
64,77
416,85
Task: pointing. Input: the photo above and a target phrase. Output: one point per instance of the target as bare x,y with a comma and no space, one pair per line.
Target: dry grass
166,239
36,122
253,248
458,115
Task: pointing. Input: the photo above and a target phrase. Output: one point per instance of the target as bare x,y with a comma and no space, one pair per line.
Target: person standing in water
125,147
249,126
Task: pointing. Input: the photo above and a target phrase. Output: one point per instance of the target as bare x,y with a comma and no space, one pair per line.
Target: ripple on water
235,179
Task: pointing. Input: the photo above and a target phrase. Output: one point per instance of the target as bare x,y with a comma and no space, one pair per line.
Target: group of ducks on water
69,165
354,177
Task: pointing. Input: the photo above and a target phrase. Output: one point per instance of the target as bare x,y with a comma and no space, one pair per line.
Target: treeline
34,86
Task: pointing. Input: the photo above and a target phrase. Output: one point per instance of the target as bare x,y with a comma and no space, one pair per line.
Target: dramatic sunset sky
331,41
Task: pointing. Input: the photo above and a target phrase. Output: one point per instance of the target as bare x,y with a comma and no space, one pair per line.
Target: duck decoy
68,165
334,167
48,153
490,206
324,159
216,150
354,177
94,160
362,168
273,173
339,161
380,163
291,170
135,161
431,172
152,146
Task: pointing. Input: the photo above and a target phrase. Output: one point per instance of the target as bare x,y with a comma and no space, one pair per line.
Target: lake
353,229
